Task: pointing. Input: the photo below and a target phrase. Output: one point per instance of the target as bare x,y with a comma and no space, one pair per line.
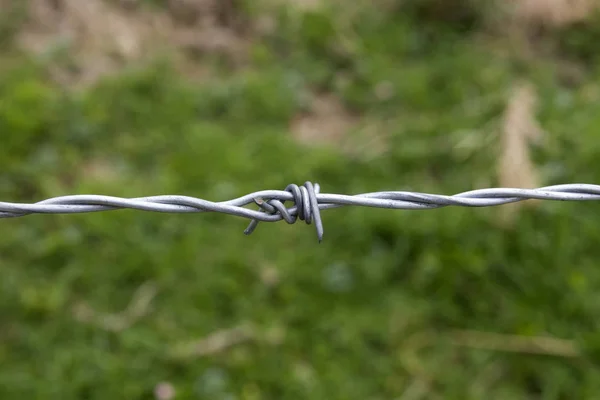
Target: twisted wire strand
307,202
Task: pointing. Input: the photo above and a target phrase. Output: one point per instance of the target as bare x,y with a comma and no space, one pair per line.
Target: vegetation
432,304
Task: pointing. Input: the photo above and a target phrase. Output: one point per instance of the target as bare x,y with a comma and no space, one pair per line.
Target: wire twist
307,201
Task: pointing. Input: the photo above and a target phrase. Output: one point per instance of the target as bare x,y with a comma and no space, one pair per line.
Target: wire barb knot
306,207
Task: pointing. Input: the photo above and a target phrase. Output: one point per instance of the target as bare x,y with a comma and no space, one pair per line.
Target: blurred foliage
578,41
333,321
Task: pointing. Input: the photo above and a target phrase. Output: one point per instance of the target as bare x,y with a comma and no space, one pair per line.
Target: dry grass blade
214,343
515,343
519,129
138,307
496,342
423,379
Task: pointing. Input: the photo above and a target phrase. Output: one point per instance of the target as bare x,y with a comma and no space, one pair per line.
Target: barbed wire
307,202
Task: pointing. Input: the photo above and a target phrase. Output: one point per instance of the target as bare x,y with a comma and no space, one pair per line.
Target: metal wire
306,199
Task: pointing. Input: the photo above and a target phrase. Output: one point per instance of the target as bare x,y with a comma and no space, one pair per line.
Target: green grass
338,322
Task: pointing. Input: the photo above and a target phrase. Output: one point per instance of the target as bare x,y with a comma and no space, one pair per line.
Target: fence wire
307,202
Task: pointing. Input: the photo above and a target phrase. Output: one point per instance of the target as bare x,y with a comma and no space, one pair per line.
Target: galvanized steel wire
307,202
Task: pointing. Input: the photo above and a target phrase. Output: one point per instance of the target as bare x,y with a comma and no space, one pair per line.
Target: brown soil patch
92,38
553,13
328,123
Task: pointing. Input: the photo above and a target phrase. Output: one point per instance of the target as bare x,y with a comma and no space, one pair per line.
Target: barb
307,201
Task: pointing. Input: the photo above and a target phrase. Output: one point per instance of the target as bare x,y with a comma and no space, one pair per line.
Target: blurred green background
216,99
